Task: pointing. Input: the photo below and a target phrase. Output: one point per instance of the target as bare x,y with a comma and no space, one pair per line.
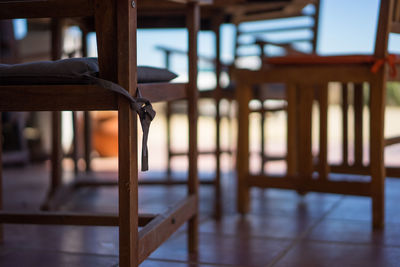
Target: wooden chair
239,13
300,92
116,38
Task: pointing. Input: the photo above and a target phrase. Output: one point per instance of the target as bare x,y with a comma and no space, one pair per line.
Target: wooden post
345,127
306,96
218,95
243,97
193,25
168,113
118,63
358,124
377,118
86,116
291,149
323,132
75,141
56,154
88,140
262,125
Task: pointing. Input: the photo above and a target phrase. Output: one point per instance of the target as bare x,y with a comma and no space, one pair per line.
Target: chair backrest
276,12
388,21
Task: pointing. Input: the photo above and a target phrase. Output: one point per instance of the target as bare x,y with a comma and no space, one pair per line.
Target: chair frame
300,94
116,37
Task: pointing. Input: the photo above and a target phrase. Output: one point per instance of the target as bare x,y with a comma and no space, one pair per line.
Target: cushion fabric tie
139,105
391,60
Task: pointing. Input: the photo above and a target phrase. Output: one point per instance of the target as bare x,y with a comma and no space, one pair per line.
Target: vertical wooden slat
75,142
88,140
358,124
168,113
243,97
291,149
56,154
217,21
193,25
262,135
86,115
384,25
396,11
106,36
316,26
345,123
305,134
323,132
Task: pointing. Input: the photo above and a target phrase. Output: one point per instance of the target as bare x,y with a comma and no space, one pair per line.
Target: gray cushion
69,71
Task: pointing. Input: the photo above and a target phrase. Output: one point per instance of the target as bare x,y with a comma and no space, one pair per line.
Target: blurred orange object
105,133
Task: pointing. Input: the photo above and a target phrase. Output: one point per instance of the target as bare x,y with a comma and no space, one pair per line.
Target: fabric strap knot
391,60
140,105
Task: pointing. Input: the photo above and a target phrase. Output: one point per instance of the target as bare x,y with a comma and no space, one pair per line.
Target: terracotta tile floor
282,229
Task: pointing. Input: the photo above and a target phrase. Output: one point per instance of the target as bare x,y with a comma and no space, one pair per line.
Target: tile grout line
304,234
194,262
353,243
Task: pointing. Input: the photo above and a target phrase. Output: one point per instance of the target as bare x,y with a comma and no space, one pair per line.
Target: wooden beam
161,227
45,9
156,92
334,187
315,73
164,181
58,218
56,98
277,29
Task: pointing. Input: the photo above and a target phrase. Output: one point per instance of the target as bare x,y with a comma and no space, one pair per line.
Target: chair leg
192,19
377,116
127,188
242,159
1,179
56,157
88,140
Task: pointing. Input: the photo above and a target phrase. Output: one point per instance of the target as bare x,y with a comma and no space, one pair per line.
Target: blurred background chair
302,75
